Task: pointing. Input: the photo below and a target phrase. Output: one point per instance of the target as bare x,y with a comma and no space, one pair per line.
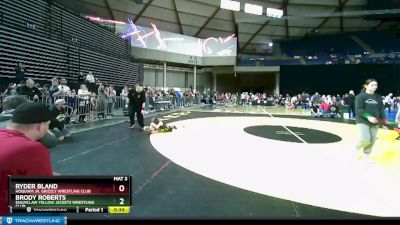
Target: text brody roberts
41,197
35,186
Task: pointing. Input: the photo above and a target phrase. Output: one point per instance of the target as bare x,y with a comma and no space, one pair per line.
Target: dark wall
246,82
338,79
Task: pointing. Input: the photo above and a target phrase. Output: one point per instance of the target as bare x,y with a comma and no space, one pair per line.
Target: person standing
19,73
20,152
349,101
397,118
90,81
124,98
388,102
369,112
101,99
83,99
54,92
63,87
136,105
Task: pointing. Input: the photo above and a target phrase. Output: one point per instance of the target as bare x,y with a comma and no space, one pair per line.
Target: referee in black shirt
137,101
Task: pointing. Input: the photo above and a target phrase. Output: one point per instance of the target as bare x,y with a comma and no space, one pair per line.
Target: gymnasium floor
241,162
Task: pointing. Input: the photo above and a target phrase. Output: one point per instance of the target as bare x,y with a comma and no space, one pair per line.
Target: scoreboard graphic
64,194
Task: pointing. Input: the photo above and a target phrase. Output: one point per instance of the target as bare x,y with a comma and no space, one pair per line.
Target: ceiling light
253,9
271,12
231,5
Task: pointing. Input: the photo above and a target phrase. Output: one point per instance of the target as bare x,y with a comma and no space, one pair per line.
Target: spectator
45,90
90,81
316,98
81,78
124,98
90,77
388,102
112,95
304,100
21,154
70,99
58,115
20,86
11,90
63,87
30,90
54,92
333,111
325,108
93,107
179,99
37,85
20,73
83,102
101,100
9,105
109,101
315,111
349,101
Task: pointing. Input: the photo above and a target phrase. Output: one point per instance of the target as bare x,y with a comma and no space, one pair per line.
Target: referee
137,100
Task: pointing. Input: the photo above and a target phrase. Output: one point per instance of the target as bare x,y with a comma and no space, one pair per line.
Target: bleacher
381,41
321,44
89,35
253,60
57,23
42,57
111,70
281,62
52,41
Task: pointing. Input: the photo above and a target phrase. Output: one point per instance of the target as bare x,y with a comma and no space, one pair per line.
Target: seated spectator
21,154
9,105
325,108
30,90
315,111
333,112
157,126
11,90
37,85
20,86
58,115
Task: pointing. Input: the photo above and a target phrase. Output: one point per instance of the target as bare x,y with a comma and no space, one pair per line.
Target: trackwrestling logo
30,220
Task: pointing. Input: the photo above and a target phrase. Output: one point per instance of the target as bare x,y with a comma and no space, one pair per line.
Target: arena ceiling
205,18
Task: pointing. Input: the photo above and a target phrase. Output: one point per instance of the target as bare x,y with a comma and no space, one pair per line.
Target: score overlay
77,194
